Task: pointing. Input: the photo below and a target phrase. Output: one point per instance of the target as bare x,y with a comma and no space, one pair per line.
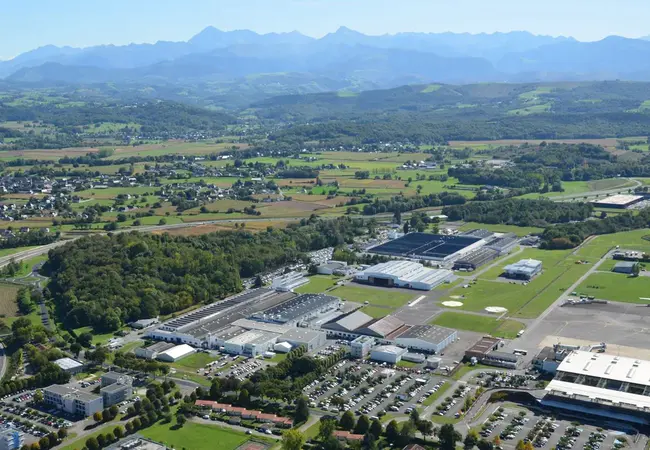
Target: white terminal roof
178,351
408,271
252,337
627,370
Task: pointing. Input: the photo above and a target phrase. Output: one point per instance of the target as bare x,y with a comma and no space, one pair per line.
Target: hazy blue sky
27,24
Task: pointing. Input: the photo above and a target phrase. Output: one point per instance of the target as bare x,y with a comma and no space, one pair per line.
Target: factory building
504,244
388,353
476,259
152,351
347,325
618,201
288,282
484,346
69,365
360,347
434,247
406,274
608,386
427,338
331,267
525,269
385,328
251,343
303,308
72,400
282,347
311,339
175,353
626,267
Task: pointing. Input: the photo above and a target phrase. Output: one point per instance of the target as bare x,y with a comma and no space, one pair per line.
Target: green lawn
497,228
377,311
195,361
317,284
506,328
436,395
617,287
130,346
13,251
81,443
196,436
28,264
466,368
629,240
98,338
559,272
376,297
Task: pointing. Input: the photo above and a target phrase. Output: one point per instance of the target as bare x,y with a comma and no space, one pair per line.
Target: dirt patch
8,293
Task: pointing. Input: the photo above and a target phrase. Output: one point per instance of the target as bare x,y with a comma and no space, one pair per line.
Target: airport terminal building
604,385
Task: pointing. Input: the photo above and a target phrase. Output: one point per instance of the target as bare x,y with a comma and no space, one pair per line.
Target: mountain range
343,60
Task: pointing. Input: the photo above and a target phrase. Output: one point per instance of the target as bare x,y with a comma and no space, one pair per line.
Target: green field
317,284
98,339
13,251
376,297
628,240
617,287
196,436
559,272
376,311
195,361
480,324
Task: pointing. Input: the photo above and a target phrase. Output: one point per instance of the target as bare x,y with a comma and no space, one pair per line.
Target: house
347,436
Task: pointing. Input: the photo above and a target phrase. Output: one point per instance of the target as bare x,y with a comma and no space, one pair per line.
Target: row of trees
519,212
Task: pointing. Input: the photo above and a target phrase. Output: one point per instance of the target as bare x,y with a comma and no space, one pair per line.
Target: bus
520,352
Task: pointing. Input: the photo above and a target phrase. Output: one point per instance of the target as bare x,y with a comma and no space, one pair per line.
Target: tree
448,436
392,432
347,422
85,339
118,432
302,410
44,443
181,419
98,417
426,427
397,217
414,416
363,425
497,441
137,423
101,440
520,445
470,440
485,445
376,428
62,433
244,398
75,348
129,427
292,440
38,396
406,227
406,433
326,429
92,444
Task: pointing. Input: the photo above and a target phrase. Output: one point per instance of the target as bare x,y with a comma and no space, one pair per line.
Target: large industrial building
152,351
618,201
428,338
523,270
504,244
288,282
203,327
476,259
72,400
432,247
609,386
303,308
175,353
404,274
310,339
251,343
388,353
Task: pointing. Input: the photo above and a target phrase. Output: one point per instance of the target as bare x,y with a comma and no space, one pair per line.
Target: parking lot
512,424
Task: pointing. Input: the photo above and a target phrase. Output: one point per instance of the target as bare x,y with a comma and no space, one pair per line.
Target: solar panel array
425,245
214,308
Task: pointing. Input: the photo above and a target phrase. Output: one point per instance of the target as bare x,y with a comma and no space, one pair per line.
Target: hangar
523,270
434,247
303,308
175,353
406,274
428,338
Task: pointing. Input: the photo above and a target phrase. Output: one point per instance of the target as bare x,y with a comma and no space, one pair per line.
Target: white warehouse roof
390,349
178,352
627,370
407,272
68,363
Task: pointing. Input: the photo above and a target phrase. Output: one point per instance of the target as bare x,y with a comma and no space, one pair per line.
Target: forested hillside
105,281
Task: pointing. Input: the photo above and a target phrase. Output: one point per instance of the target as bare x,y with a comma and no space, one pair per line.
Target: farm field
507,328
617,287
375,297
8,307
317,284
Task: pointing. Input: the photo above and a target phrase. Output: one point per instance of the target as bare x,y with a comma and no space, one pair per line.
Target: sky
28,24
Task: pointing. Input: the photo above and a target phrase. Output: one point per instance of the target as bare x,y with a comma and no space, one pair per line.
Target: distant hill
224,63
